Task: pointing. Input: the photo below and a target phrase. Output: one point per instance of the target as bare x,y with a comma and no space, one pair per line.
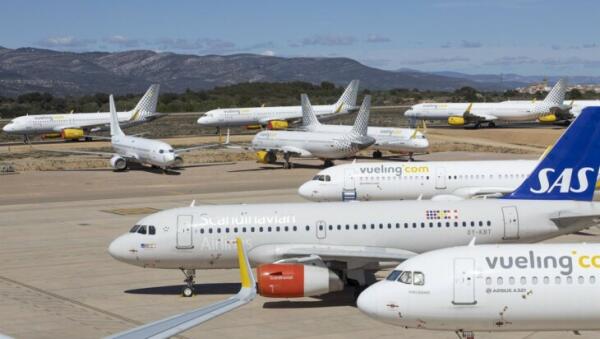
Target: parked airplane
171,326
551,109
75,126
426,180
539,287
277,117
309,249
128,149
325,146
396,140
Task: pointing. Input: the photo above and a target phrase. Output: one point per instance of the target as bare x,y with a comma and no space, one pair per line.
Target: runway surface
57,279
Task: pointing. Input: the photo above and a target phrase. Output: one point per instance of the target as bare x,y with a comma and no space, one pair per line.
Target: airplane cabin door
464,281
511,223
440,178
321,229
184,232
349,189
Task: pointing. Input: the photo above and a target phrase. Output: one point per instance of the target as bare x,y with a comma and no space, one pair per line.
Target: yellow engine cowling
547,118
72,133
456,121
277,124
253,127
262,156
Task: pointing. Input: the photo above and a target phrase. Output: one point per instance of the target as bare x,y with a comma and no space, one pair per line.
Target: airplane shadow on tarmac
199,289
341,298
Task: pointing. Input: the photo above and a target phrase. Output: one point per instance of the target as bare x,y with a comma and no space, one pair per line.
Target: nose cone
306,191
121,250
409,113
8,128
367,301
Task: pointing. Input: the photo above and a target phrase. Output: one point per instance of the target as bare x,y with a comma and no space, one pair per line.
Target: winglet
246,275
468,110
115,129
309,119
361,124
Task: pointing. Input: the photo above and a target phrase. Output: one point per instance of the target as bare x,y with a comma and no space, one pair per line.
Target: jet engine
265,157
456,121
547,118
118,163
178,162
296,280
277,124
72,133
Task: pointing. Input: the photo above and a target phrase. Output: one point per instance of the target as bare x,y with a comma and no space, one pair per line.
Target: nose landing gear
188,290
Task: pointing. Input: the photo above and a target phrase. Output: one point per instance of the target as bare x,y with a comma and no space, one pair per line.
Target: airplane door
184,232
349,179
321,229
511,223
440,178
464,281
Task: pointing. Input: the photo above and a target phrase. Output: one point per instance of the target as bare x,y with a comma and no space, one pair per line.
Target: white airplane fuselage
307,144
398,181
203,237
236,117
54,123
541,287
504,111
145,151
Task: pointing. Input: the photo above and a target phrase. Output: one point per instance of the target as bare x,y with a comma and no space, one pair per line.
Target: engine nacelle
265,157
456,121
547,118
277,124
296,280
178,162
118,163
72,133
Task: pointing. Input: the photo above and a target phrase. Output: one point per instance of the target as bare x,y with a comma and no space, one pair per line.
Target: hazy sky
524,36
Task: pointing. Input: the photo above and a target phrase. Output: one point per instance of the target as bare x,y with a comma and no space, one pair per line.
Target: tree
574,94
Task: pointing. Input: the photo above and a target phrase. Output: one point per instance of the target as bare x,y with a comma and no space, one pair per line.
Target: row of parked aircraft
311,249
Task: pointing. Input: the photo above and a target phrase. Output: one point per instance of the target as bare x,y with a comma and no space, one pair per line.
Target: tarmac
57,279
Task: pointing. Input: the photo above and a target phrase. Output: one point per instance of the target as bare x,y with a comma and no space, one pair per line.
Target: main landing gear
410,156
377,154
26,139
286,161
465,334
327,163
188,290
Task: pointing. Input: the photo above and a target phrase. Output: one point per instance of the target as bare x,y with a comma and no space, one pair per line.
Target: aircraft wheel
271,158
187,292
377,155
491,124
328,163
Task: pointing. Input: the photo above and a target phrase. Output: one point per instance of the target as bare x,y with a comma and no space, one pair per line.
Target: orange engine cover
281,280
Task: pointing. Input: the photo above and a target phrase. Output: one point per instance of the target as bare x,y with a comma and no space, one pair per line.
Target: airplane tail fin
556,96
361,124
147,104
348,99
309,119
115,129
570,169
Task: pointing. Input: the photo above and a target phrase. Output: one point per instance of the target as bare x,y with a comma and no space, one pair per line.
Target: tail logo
563,181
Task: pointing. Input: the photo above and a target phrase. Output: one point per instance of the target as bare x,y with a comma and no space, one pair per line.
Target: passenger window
418,278
569,280
546,280
406,277
151,230
511,280
393,275
488,280
534,280
557,280
500,281
592,279
580,280
523,281
142,230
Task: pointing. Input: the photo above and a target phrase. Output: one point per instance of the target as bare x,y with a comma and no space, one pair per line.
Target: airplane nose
7,128
409,113
306,191
367,301
119,249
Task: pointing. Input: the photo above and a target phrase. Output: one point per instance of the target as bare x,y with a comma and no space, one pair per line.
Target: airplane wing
482,116
355,254
296,151
171,326
188,149
100,154
470,192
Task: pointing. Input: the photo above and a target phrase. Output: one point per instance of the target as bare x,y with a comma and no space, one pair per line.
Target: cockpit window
152,230
142,230
134,229
171,150
393,276
406,277
161,151
322,177
418,278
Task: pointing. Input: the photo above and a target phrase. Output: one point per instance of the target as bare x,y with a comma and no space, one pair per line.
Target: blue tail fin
570,169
